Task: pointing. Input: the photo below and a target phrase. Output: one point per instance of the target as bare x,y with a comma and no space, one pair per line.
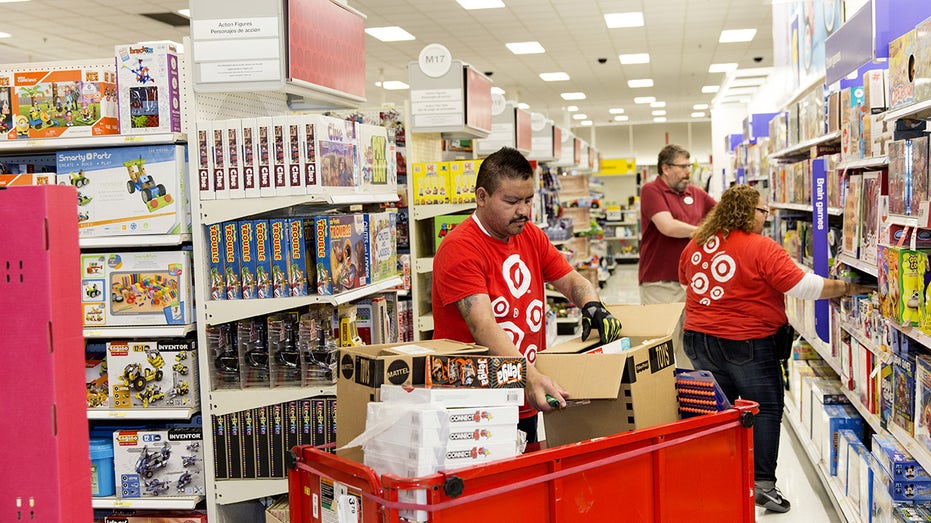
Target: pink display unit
44,434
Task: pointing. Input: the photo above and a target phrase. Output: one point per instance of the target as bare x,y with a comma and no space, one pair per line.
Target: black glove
596,316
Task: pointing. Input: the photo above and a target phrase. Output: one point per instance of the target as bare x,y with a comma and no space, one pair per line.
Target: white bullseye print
500,307
514,332
535,316
723,267
531,354
704,301
700,283
704,266
711,245
516,275
716,293
696,258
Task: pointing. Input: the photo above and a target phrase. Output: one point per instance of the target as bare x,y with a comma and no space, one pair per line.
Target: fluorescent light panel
659,119
657,105
698,114
621,118
5,35
616,110
636,58
523,105
644,99
573,96
708,89
723,68
640,82
184,12
659,112
497,90
572,108
736,35
579,116
480,4
740,90
393,85
755,80
391,33
586,123
631,19
525,47
554,77
700,107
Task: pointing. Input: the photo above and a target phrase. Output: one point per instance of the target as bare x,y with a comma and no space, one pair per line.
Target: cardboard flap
591,376
656,321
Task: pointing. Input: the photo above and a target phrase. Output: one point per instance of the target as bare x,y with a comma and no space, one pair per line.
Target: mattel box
629,390
363,370
54,102
342,250
128,190
149,88
136,288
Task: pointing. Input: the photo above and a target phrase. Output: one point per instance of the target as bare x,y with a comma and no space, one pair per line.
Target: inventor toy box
341,251
128,190
165,462
136,288
149,92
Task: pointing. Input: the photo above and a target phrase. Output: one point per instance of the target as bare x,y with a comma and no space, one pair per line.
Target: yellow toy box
431,182
462,175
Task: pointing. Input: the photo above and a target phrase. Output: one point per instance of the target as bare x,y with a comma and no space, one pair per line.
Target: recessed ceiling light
698,114
573,96
11,1
640,82
621,118
710,88
184,12
390,33
554,77
572,108
736,35
616,110
579,116
632,19
644,99
659,119
525,47
480,4
497,90
523,105
758,80
586,123
659,112
700,107
740,90
5,35
656,105
722,68
636,58
392,85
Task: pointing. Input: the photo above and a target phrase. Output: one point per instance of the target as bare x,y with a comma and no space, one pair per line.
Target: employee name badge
688,200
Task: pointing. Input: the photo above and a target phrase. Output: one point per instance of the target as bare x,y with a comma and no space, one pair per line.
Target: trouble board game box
149,88
383,245
52,102
136,288
341,250
128,190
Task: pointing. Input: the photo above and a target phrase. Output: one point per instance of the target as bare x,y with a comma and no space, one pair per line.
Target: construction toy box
149,88
136,288
629,390
95,373
166,462
128,190
383,245
64,103
341,251
153,374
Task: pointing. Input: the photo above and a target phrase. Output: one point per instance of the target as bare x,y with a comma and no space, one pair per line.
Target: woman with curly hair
736,280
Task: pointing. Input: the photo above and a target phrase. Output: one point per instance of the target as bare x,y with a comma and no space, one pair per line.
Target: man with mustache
489,275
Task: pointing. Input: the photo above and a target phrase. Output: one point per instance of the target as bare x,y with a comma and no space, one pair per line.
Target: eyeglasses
681,165
764,211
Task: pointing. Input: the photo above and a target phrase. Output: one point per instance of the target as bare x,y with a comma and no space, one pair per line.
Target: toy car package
495,372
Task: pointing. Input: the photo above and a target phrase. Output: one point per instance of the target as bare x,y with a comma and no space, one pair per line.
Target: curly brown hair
734,212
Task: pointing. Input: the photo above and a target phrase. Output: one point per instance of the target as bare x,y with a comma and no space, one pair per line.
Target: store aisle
797,478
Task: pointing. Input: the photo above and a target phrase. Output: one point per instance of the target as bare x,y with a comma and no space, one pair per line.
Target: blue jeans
748,369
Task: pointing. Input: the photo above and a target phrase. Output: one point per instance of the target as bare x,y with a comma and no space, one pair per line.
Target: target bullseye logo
516,275
500,307
513,332
535,316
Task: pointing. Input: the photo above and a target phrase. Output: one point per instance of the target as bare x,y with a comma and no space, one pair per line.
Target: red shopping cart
697,469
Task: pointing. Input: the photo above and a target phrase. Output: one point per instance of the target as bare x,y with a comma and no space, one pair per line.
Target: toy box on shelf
168,462
383,245
128,190
64,103
153,374
136,288
148,85
341,249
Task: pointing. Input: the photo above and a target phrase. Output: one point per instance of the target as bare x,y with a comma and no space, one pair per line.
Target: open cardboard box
629,390
363,369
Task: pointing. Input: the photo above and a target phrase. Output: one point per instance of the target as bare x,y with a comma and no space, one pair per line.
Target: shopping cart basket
698,469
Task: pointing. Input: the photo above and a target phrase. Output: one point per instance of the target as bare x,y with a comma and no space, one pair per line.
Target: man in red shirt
489,275
670,209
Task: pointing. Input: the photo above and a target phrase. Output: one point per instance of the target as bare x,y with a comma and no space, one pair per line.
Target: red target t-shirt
512,273
735,287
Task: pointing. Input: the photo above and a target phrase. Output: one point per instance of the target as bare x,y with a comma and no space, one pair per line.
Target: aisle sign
448,96
236,49
618,166
819,204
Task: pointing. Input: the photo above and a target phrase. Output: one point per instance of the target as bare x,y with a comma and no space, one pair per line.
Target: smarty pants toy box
167,462
128,190
628,390
147,80
136,288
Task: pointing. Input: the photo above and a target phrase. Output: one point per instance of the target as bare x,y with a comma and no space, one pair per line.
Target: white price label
348,509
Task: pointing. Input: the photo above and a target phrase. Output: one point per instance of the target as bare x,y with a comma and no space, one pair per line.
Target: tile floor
798,480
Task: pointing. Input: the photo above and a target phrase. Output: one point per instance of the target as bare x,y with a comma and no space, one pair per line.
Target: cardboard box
148,80
902,70
163,462
630,390
363,369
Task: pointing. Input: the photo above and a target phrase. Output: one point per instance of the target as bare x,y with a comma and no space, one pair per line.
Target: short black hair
505,163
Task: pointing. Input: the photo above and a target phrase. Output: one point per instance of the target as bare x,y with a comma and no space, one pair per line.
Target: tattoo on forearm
465,305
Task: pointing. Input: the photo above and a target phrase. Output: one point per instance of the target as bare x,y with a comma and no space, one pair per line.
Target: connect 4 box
128,190
136,288
149,88
341,249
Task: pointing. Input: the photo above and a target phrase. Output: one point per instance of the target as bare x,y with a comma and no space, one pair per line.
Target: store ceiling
681,37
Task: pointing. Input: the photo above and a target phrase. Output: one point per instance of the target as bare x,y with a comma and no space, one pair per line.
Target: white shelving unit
152,503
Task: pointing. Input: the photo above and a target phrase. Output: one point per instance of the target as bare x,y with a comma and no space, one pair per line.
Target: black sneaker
772,500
